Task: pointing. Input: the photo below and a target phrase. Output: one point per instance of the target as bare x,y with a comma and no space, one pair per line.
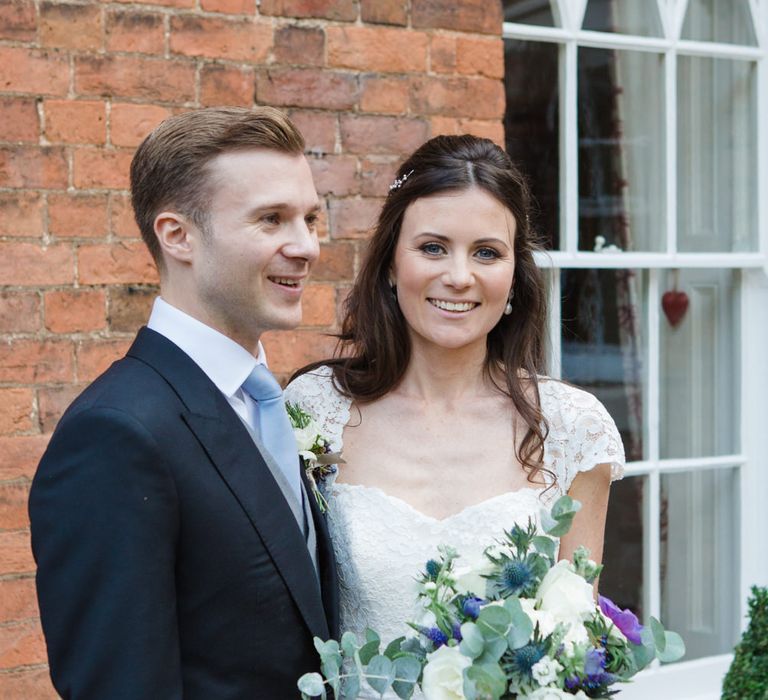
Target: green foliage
747,678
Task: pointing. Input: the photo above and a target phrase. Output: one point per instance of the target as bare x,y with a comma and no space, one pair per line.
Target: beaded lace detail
382,543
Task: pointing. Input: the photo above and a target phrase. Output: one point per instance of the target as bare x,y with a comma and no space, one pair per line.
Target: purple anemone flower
471,606
625,620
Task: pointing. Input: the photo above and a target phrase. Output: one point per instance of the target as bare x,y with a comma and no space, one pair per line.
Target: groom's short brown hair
170,168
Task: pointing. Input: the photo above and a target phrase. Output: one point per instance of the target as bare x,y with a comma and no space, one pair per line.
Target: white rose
443,677
565,594
545,670
544,618
469,579
305,437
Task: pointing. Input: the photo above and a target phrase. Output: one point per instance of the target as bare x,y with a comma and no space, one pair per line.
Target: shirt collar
226,362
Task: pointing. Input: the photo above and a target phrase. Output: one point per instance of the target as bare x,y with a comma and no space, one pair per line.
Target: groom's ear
176,235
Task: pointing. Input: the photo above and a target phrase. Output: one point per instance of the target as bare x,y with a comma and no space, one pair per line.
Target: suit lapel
239,463
327,562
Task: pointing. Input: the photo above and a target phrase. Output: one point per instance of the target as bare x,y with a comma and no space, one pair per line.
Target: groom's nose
303,243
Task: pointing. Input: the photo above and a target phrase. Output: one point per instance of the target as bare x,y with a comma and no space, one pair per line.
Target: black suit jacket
169,563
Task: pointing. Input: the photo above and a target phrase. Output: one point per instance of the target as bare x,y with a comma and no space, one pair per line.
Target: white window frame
699,679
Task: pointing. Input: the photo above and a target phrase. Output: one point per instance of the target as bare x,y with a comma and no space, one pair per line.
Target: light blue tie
275,429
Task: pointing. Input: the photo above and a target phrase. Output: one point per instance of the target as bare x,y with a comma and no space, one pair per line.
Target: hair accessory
398,183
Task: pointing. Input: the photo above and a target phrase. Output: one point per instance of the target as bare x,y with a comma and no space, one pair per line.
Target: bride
449,429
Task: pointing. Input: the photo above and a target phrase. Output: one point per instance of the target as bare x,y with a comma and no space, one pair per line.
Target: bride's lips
454,307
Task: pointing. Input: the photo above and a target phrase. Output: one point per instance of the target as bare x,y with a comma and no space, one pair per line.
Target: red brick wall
82,82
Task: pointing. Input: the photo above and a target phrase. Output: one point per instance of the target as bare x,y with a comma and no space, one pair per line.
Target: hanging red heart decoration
675,305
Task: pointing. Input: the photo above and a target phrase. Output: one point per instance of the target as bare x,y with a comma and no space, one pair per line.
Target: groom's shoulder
128,386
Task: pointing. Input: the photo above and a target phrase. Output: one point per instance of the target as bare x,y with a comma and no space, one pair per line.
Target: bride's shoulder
316,393
581,430
317,382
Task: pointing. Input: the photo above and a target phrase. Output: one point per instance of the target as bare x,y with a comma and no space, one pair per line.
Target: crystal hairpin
398,183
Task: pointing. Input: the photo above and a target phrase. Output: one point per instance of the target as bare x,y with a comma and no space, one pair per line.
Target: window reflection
532,128
623,555
699,560
623,16
603,345
621,150
529,12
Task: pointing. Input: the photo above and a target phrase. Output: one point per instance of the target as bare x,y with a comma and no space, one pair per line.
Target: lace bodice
382,543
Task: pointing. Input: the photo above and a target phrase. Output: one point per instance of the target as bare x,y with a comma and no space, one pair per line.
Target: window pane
603,344
700,560
529,12
623,16
699,364
717,155
623,578
621,150
714,20
532,126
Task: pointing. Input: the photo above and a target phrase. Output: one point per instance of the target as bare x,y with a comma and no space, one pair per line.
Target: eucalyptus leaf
659,640
407,671
311,684
565,505
558,522
371,635
407,668
493,621
472,641
350,688
393,648
330,666
545,545
486,681
326,648
674,648
494,649
368,651
521,628
380,673
349,644
412,645
642,654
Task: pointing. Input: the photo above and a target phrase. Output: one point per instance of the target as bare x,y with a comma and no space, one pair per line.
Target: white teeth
452,305
283,280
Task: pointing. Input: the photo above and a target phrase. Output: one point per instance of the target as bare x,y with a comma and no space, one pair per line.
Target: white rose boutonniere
314,450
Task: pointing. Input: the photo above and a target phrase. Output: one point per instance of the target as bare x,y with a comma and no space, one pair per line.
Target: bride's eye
432,249
487,253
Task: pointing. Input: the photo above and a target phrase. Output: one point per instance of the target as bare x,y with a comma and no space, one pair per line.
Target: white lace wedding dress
382,543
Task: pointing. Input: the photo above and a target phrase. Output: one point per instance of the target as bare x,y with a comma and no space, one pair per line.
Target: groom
178,553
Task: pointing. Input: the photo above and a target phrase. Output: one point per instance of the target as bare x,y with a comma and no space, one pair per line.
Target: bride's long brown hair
374,345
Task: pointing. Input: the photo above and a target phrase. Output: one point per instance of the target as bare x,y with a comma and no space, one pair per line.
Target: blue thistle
524,659
515,576
433,569
457,632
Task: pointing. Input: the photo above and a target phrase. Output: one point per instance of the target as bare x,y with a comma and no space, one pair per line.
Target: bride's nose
458,273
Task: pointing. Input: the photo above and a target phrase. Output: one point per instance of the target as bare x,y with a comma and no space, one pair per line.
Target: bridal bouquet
517,625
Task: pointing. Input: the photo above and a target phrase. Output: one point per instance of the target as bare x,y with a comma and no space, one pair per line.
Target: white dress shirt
226,363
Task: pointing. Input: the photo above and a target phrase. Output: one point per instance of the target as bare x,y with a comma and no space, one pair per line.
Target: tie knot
261,385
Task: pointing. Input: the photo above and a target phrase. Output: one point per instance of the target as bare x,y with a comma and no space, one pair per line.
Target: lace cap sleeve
317,395
582,433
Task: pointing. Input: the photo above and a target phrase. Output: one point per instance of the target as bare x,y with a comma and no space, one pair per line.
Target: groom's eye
273,219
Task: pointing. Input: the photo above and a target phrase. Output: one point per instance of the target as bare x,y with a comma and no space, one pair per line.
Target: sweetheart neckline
404,504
